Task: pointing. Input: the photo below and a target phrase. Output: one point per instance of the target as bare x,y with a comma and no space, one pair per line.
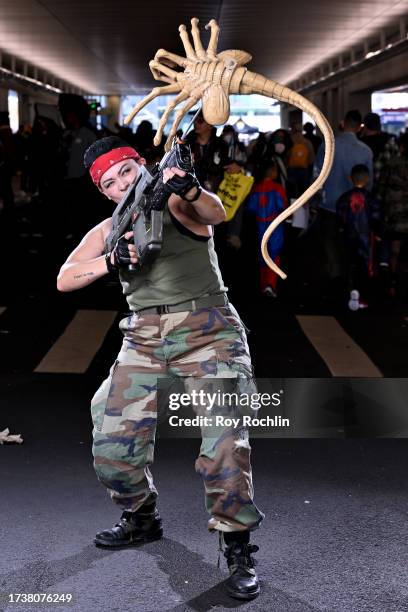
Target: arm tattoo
82,275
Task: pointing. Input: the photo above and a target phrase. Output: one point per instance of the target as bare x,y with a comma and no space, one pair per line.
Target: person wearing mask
348,152
280,146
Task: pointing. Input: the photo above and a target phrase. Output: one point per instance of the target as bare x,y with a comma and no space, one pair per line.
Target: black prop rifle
141,208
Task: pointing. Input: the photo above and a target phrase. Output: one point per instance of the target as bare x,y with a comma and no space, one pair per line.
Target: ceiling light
372,53
22,77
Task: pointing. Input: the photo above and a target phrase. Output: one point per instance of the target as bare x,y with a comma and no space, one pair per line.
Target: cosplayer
267,200
182,323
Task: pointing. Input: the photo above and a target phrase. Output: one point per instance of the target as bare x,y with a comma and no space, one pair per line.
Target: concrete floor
334,537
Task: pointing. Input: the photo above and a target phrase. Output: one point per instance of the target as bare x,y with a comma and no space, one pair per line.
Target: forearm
78,274
208,209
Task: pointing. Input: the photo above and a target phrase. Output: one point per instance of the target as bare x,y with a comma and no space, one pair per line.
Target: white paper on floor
5,436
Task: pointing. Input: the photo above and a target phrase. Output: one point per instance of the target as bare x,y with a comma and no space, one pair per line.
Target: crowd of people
361,214
363,211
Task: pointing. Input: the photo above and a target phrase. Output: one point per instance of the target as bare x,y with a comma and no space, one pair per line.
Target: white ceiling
104,46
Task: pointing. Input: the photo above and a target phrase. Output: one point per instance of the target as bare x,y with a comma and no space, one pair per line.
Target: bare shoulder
105,227
93,243
99,233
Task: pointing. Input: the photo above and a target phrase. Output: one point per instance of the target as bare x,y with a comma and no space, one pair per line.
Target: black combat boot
243,581
144,525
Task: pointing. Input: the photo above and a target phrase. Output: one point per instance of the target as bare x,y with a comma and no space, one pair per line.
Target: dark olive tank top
186,269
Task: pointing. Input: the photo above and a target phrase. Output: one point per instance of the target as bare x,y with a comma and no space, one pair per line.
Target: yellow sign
233,190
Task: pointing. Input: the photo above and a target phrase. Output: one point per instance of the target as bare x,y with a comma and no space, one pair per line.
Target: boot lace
239,556
127,522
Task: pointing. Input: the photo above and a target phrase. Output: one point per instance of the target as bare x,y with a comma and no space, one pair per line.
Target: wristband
196,195
120,254
111,268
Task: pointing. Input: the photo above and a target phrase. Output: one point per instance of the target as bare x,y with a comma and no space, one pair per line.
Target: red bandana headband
109,159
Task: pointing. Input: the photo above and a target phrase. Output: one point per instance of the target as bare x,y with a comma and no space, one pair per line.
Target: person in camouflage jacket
393,193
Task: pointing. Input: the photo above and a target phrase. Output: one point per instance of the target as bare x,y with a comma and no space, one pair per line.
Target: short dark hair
372,121
73,103
359,172
100,147
353,119
309,128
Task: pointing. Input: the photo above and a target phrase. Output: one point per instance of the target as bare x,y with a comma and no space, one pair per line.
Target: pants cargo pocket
233,353
100,400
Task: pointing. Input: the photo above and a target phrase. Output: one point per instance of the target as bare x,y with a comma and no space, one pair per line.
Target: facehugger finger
157,91
193,99
162,124
157,67
198,46
162,54
213,44
186,43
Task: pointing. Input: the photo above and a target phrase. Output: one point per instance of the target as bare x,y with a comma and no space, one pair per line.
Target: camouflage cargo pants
210,342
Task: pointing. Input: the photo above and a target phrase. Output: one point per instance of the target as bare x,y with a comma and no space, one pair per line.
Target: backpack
298,156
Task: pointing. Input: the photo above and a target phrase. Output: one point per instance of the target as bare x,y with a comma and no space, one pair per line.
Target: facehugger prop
211,77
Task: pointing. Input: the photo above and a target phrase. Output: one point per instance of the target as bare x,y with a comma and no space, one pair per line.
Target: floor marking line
76,347
342,355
